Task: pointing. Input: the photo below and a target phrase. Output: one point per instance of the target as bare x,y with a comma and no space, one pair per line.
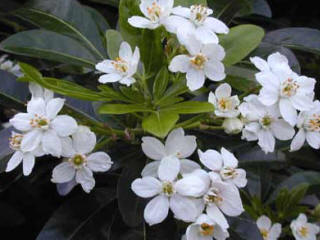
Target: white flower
39,92
302,230
9,66
225,104
232,125
206,228
122,68
263,123
197,22
42,125
204,60
309,128
27,158
225,164
80,163
282,86
267,230
169,193
177,145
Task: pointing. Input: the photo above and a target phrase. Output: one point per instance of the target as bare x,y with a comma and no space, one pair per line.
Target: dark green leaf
133,95
261,7
161,83
188,3
114,41
123,108
244,228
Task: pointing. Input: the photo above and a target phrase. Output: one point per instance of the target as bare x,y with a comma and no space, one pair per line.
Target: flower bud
232,125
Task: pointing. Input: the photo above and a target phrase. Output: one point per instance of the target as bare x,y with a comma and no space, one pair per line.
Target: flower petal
264,222
229,160
51,143
64,172
240,180
275,231
53,107
105,66
28,163
223,91
184,208
84,176
214,213
141,22
195,79
146,187
14,161
21,121
288,112
151,169
260,63
153,148
169,169
84,140
180,63
282,130
156,210
37,106
67,147
298,140
313,139
191,186
125,51
266,140
214,70
99,162
211,159
64,125
188,166
31,140
181,11
110,78
216,25
206,35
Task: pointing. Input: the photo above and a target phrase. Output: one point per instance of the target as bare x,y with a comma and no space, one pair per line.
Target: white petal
36,90
268,96
180,63
191,42
109,78
181,11
156,210
188,166
84,140
67,147
153,148
268,80
266,140
151,169
169,169
190,186
31,140
264,222
212,99
64,172
53,107
298,140
223,91
37,106
229,159
277,60
184,208
99,162
211,159
146,187
51,143
21,121
125,51
173,23
85,178
105,66
302,102
195,79
240,180
282,130
128,81
141,22
214,213
214,51
313,138
206,35
14,161
28,163
260,63
192,233
214,70
288,112
216,25
275,231
64,125
306,84
231,204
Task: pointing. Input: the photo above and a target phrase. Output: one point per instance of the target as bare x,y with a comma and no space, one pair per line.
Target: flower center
304,231
199,14
313,123
168,189
289,88
206,229
199,61
120,65
228,173
264,233
225,104
154,12
213,196
15,141
39,122
78,160
266,121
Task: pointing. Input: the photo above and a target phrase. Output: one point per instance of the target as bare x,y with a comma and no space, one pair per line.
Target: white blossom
122,68
27,158
42,125
282,86
263,123
167,192
303,230
309,128
206,228
195,20
267,230
39,92
225,165
177,145
9,66
79,162
232,125
225,104
203,60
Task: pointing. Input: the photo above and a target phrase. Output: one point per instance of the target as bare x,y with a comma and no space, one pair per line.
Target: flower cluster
43,131
300,228
194,195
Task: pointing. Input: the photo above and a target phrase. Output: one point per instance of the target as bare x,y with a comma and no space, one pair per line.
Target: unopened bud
232,125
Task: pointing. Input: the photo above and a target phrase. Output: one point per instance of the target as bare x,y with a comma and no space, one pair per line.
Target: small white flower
309,128
225,104
267,230
170,193
232,125
204,60
27,158
9,66
197,22
122,68
302,230
225,164
80,163
42,125
39,92
263,123
282,86
177,145
206,228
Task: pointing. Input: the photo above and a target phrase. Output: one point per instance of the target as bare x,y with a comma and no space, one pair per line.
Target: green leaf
133,95
99,20
244,228
161,83
188,3
114,41
160,123
50,46
190,107
113,3
5,150
108,92
240,42
122,108
240,78
174,90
